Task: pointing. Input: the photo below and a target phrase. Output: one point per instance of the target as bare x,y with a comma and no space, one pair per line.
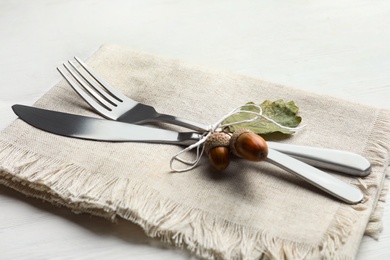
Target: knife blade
105,130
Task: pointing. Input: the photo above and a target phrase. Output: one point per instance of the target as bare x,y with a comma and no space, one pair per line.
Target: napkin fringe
191,228
198,231
377,152
72,186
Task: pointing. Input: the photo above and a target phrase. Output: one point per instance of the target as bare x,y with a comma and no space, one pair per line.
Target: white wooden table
339,48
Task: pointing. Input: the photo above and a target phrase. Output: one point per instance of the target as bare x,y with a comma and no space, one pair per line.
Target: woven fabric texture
249,211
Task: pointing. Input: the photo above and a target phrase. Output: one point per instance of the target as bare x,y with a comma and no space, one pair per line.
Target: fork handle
331,159
182,122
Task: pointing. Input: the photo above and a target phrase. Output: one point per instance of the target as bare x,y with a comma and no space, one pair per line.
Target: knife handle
337,160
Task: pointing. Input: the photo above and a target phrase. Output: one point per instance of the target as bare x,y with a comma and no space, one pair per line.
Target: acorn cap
234,138
217,139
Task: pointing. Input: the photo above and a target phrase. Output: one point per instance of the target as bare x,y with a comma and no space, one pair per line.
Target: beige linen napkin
250,211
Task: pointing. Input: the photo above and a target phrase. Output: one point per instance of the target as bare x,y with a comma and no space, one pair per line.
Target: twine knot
216,127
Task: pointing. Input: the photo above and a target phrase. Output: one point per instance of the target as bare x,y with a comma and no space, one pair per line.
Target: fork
112,104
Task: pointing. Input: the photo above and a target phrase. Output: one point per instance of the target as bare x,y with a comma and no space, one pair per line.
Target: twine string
218,125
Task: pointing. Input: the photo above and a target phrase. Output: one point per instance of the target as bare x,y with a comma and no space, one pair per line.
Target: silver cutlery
112,104
106,130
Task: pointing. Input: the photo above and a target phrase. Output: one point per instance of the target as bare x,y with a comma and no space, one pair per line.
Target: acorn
217,149
248,145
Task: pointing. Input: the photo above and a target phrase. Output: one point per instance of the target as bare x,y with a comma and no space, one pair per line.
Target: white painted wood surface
339,48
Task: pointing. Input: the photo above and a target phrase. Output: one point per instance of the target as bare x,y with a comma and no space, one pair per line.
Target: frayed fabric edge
377,152
205,235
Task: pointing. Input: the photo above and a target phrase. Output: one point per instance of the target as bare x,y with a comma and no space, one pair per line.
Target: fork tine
90,90
89,80
104,111
113,92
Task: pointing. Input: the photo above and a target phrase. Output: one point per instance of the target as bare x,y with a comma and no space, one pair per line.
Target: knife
105,130
336,160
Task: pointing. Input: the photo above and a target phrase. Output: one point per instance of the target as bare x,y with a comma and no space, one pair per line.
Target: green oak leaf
284,113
